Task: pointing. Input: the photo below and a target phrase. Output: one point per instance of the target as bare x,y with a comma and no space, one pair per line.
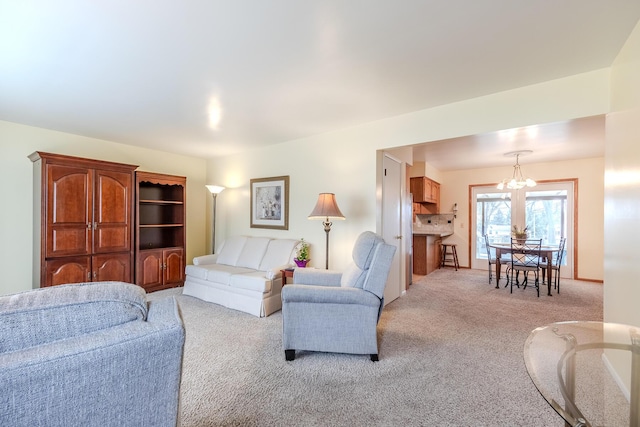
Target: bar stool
449,257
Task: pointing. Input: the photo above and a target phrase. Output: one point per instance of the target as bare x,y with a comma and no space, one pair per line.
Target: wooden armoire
84,216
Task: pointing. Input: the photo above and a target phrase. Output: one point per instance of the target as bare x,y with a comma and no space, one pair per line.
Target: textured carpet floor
451,354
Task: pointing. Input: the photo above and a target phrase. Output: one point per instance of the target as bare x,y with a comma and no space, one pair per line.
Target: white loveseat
244,275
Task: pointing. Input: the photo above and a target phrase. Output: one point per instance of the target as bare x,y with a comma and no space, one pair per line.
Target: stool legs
449,257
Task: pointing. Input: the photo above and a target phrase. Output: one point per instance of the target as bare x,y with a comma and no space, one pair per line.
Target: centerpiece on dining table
520,234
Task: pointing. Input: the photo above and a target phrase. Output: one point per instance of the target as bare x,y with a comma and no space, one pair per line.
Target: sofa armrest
109,363
312,276
36,317
205,259
310,294
275,272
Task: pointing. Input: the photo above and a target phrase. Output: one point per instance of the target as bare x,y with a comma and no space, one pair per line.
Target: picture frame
270,202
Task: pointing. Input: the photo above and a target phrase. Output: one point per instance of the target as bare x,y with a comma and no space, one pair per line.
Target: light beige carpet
451,354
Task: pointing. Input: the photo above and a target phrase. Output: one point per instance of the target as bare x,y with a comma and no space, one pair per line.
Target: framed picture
270,203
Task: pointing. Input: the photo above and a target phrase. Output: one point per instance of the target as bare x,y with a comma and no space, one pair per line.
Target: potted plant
520,234
302,254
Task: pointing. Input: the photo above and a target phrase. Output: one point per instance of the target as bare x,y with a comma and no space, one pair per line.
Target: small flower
303,251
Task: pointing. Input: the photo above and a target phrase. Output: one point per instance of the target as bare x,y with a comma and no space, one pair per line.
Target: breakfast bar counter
426,251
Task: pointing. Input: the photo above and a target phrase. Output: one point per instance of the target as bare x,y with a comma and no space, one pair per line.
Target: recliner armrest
328,295
312,276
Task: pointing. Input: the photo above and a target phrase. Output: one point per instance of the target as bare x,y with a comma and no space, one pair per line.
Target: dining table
546,252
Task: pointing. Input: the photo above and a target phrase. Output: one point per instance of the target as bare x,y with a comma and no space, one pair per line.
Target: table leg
498,268
549,270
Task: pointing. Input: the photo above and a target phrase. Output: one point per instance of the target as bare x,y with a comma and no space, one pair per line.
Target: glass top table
589,372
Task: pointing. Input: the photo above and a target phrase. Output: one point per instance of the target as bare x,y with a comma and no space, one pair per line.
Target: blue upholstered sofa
92,354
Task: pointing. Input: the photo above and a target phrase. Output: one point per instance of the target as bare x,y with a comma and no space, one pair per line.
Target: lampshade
517,180
326,207
215,189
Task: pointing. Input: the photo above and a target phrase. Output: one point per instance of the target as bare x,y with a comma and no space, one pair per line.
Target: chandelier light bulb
517,181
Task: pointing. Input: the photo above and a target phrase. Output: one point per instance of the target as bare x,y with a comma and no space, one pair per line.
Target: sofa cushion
279,252
252,252
253,281
222,273
231,249
200,271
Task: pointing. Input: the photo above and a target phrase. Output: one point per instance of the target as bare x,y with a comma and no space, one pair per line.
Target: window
546,210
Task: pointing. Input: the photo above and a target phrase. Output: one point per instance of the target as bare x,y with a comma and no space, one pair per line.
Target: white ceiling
149,72
550,142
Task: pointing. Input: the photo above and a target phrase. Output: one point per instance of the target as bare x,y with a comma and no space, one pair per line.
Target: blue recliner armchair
92,354
338,312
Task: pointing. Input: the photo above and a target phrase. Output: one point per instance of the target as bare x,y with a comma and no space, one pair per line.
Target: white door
392,223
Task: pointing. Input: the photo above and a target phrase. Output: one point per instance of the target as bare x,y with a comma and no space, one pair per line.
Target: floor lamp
215,190
326,207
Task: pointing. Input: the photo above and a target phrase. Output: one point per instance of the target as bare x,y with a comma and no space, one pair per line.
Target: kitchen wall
434,223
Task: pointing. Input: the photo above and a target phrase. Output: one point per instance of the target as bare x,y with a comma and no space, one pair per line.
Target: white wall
622,188
344,162
622,199
454,188
16,215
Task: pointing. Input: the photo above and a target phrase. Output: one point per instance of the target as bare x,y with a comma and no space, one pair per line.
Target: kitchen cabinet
426,253
426,196
425,190
83,213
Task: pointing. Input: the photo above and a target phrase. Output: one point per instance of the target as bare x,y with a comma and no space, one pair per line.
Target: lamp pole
213,226
215,190
327,229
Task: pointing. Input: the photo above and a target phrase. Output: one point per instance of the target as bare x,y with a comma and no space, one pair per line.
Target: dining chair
525,257
555,265
491,257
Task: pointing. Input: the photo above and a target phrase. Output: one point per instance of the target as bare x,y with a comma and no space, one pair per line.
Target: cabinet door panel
112,211
68,270
112,267
417,189
174,266
149,269
68,211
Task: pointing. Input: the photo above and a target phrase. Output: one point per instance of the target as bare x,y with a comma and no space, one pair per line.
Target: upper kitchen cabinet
426,192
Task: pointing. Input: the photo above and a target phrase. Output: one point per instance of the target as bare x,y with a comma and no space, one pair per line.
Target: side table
286,273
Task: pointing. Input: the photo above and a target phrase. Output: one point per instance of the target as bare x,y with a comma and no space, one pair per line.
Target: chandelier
517,181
